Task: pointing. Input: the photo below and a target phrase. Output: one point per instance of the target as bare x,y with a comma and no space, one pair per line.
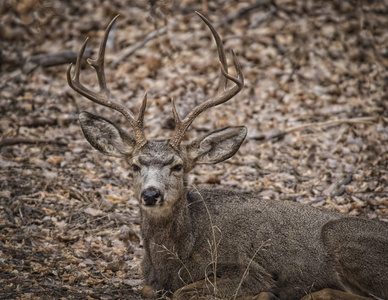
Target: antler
103,96
223,95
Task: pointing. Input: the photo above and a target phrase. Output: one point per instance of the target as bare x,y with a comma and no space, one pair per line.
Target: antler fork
223,95
103,96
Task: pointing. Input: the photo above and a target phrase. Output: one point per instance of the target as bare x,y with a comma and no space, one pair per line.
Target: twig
37,122
263,18
51,59
10,214
213,251
320,199
235,15
55,59
139,45
14,141
74,192
339,190
295,65
246,272
176,256
368,120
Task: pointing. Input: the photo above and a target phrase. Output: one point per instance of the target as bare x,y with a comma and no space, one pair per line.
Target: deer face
159,170
159,174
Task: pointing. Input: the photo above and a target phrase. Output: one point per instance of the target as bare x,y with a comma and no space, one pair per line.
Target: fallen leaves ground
315,104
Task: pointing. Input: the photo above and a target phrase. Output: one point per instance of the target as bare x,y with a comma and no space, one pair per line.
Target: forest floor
315,103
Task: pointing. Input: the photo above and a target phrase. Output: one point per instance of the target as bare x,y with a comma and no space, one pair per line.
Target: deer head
159,166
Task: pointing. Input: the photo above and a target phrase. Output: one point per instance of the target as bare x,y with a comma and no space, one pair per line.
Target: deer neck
173,231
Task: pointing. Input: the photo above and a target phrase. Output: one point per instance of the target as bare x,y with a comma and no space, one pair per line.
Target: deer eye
135,168
177,168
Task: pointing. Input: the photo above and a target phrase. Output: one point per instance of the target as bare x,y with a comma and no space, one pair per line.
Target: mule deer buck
227,244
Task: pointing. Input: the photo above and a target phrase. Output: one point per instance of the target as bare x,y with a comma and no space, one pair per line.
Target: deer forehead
157,152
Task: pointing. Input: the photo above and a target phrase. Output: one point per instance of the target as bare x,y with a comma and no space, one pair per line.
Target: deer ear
217,146
105,136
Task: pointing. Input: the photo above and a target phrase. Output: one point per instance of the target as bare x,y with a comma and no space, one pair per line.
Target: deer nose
150,196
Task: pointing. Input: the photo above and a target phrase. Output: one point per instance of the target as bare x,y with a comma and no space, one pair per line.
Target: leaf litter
314,103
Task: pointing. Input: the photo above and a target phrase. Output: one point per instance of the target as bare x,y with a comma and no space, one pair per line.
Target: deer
228,244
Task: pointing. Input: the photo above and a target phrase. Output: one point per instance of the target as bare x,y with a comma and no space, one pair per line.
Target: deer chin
161,209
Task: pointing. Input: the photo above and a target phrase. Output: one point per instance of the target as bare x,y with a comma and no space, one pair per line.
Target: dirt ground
315,104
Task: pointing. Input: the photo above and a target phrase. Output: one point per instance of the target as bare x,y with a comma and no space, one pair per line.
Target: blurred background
314,102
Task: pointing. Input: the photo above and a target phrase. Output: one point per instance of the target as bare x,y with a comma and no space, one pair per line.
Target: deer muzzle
151,196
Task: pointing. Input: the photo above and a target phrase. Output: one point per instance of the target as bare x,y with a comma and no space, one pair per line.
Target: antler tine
103,96
220,49
222,96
